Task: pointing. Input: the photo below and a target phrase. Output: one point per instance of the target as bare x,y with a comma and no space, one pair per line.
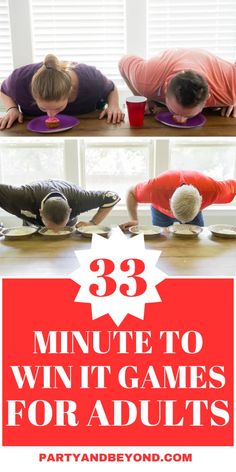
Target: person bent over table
54,86
178,196
185,80
55,203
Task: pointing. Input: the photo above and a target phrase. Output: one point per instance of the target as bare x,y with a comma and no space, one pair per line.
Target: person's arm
12,199
104,201
12,112
132,207
123,66
226,191
99,216
112,111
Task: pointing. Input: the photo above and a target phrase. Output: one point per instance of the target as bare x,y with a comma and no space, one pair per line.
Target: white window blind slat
206,24
89,31
5,41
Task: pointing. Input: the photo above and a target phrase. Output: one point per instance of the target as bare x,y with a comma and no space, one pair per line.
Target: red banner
72,380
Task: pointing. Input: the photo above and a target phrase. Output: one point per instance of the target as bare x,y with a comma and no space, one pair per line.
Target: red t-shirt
158,191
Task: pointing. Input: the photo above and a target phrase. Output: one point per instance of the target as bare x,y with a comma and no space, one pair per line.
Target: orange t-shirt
158,191
150,77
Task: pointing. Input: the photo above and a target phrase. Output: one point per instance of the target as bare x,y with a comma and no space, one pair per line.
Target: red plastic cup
136,107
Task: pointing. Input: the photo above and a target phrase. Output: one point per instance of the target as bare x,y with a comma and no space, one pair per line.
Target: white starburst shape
118,276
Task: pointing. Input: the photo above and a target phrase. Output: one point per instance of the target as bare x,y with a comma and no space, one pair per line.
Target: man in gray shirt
55,203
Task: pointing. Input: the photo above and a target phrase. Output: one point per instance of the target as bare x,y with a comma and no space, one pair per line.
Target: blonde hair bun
52,81
52,62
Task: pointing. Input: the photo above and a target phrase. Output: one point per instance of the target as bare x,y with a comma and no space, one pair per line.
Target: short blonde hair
185,203
52,81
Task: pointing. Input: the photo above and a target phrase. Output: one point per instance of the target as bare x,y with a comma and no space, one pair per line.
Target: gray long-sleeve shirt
25,201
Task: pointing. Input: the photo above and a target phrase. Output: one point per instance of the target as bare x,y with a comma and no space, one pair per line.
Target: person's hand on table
83,223
114,114
229,111
128,224
10,117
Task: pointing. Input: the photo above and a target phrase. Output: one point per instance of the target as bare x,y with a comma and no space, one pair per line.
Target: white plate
49,234
88,231
148,231
20,232
223,231
185,230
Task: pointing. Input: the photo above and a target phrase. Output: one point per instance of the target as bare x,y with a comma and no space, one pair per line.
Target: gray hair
185,203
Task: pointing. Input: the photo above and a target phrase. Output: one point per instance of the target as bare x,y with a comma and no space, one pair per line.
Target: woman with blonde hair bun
55,86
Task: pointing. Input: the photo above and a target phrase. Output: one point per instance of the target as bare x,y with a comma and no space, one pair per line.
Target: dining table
91,126
36,256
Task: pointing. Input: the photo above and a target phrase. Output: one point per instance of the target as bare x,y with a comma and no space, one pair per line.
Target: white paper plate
223,231
20,232
88,231
185,230
149,231
49,234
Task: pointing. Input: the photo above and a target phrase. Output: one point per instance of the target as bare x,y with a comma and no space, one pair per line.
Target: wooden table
202,256
90,125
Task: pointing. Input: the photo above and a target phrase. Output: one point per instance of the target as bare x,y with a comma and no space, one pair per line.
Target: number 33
107,285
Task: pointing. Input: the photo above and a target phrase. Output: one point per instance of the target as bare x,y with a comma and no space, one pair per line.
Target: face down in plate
52,235
223,231
18,233
185,230
167,118
38,124
88,231
147,231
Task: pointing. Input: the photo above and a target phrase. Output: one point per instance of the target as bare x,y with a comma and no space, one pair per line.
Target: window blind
89,31
5,41
206,24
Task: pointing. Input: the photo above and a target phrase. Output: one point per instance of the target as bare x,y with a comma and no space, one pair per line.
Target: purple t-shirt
93,88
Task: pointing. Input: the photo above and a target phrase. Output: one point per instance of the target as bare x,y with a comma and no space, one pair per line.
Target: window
22,161
116,165
92,163
5,41
217,160
100,32
88,31
207,24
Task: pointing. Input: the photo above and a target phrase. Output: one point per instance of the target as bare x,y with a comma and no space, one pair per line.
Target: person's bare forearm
113,98
100,215
8,101
12,112
132,205
113,110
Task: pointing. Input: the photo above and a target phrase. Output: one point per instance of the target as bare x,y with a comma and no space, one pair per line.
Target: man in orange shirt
186,80
178,196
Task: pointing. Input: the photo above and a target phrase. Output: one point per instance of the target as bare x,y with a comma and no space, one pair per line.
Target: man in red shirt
178,196
186,80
